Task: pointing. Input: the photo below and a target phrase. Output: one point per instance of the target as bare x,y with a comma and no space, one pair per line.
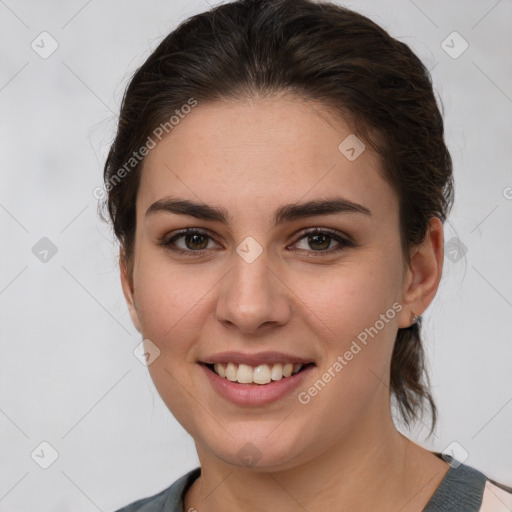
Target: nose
253,297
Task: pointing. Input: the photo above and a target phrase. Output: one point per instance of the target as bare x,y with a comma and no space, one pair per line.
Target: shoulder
155,503
168,500
465,488
496,497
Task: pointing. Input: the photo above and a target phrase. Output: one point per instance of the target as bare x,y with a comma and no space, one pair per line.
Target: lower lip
255,394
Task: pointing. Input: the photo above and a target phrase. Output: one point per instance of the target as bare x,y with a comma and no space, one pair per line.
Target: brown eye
319,241
194,241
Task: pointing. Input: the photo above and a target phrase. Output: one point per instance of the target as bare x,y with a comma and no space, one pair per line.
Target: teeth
277,371
262,374
231,371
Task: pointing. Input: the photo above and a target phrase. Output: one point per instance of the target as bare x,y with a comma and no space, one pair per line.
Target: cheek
174,302
353,318
170,308
350,298
353,313
169,297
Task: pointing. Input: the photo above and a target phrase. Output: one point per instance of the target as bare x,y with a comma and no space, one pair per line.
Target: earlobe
128,290
424,274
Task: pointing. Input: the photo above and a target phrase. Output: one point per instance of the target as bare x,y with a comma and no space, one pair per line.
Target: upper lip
254,359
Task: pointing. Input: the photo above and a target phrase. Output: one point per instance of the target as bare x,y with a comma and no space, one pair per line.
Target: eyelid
342,239
344,242
167,239
321,230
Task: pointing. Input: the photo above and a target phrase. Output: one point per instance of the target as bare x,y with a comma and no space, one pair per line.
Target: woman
278,185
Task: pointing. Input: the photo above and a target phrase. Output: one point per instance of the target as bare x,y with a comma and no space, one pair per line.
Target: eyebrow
283,214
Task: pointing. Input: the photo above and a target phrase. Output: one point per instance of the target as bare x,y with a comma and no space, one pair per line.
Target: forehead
250,154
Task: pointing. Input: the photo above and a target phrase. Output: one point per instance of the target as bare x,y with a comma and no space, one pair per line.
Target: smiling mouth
261,374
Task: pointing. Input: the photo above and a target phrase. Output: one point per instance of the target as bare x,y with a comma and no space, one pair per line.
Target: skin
251,157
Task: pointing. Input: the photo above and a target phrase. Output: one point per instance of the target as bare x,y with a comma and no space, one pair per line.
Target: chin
258,453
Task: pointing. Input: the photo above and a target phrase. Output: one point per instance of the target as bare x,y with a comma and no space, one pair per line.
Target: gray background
68,375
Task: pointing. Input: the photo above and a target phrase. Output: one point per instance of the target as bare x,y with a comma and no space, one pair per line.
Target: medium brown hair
321,52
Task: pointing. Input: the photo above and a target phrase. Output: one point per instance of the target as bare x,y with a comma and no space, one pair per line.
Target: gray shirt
461,490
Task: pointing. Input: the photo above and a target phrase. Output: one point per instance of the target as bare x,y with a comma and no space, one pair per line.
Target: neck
368,469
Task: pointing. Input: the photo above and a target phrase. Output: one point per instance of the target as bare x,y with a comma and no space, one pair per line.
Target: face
309,285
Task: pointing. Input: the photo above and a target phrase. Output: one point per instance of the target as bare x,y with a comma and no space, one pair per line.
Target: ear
128,290
423,274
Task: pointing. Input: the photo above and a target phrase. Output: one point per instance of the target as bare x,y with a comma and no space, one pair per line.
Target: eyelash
343,241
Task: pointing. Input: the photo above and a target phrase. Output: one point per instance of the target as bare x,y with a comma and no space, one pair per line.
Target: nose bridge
251,294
